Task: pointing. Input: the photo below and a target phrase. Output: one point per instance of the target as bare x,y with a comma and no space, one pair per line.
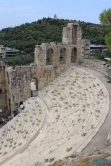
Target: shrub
109,62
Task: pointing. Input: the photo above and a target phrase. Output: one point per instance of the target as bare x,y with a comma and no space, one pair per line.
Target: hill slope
26,36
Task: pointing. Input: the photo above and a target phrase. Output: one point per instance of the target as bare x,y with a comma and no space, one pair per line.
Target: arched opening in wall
0,99
2,120
49,57
34,87
73,55
74,34
21,102
33,84
0,91
9,102
37,84
62,56
8,77
0,68
21,105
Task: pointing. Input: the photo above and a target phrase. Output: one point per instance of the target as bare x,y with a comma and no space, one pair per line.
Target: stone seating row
18,132
77,110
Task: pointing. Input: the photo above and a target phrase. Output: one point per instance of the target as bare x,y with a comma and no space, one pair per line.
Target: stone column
56,62
68,55
79,46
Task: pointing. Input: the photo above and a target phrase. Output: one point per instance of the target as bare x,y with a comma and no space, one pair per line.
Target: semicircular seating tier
21,130
78,104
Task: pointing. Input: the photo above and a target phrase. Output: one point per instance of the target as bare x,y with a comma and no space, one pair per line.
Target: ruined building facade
3,86
17,85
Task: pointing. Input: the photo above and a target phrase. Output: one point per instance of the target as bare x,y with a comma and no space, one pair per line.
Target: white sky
13,13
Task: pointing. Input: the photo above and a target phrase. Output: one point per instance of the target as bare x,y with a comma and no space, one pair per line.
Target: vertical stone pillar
40,55
72,35
43,56
68,55
3,87
36,54
79,46
56,62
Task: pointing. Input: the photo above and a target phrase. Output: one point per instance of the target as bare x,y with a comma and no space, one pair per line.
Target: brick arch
74,34
62,58
49,56
73,55
0,91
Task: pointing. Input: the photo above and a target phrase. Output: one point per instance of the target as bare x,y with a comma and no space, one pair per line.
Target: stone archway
74,34
73,55
49,57
62,59
34,87
0,91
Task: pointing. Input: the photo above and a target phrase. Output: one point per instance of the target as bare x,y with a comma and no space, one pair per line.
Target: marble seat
78,105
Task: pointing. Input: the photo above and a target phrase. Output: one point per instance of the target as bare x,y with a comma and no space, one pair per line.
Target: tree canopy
105,19
26,36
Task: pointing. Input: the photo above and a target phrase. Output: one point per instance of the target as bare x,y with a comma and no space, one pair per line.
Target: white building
6,52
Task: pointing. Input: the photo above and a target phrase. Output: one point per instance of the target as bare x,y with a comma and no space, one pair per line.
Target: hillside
26,36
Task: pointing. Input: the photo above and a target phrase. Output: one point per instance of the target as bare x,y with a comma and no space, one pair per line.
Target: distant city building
6,52
55,16
85,48
98,48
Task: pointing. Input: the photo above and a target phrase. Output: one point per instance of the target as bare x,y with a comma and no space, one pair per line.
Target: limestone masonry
59,105
50,60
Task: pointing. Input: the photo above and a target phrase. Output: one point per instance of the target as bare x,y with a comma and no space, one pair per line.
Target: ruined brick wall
98,65
61,55
20,85
72,36
50,60
46,73
3,88
85,48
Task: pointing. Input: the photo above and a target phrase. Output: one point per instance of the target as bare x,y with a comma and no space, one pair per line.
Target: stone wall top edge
58,45
11,70
2,63
71,24
95,61
86,39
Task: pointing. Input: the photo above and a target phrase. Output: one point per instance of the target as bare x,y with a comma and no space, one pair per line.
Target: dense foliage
26,36
19,60
105,19
99,56
109,62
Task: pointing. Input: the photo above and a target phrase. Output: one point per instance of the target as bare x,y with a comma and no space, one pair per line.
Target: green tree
26,36
105,19
108,40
